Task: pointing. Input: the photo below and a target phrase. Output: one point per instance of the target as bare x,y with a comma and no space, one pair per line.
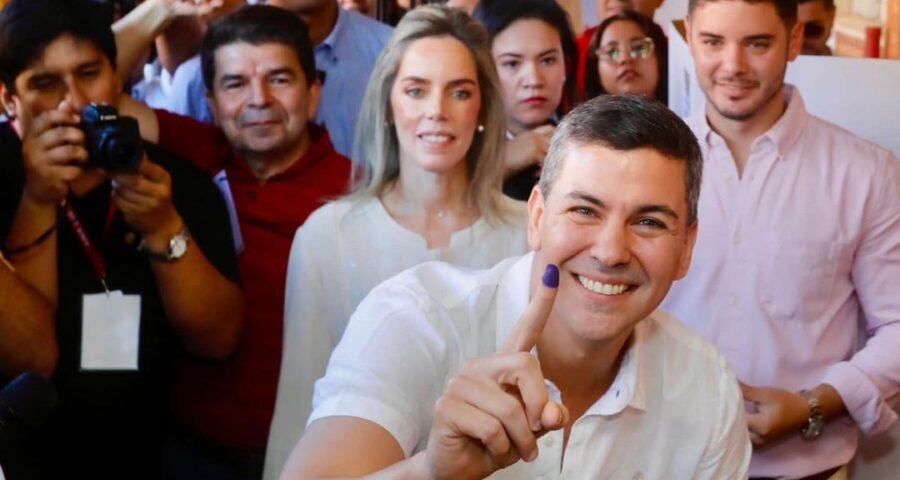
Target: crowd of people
281,239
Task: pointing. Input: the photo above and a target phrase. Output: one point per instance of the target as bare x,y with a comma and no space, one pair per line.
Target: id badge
110,331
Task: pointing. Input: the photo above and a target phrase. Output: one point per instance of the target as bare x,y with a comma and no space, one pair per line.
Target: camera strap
93,255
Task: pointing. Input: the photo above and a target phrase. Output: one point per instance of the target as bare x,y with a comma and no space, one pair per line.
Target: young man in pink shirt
798,248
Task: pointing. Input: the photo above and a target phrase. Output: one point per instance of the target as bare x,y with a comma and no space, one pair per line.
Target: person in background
555,364
628,54
173,80
817,18
646,8
346,46
534,51
605,8
131,249
259,69
431,191
800,234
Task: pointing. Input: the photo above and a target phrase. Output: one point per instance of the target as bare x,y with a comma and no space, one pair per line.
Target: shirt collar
332,37
628,387
783,134
319,149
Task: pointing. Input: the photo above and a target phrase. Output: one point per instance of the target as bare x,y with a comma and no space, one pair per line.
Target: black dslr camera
113,142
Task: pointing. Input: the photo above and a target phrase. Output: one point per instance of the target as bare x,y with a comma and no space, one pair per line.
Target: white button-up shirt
674,410
792,259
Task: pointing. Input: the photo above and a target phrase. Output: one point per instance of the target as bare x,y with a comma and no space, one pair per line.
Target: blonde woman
431,135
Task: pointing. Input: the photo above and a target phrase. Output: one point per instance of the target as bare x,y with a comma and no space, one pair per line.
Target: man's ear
796,41
687,30
536,208
10,108
689,241
315,94
211,102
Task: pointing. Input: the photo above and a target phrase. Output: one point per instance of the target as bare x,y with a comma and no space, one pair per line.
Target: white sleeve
307,342
728,452
390,366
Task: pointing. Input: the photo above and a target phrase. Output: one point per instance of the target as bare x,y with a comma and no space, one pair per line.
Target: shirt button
251,195
732,300
737,238
638,476
728,177
548,441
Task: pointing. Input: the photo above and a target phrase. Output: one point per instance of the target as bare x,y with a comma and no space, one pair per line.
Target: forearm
204,307
145,116
136,31
27,330
830,402
37,265
412,468
178,42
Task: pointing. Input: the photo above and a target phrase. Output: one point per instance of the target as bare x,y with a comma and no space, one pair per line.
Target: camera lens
120,154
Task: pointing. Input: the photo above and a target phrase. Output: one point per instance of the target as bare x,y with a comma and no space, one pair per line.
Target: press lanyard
93,255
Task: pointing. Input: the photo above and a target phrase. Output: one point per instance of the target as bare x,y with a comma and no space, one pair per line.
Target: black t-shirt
110,423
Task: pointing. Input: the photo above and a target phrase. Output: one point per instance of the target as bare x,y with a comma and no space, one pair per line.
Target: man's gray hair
627,122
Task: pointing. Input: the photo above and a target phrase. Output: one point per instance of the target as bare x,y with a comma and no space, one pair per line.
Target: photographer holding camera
124,242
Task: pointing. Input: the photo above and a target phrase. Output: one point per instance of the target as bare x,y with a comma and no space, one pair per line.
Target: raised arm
489,417
137,30
203,306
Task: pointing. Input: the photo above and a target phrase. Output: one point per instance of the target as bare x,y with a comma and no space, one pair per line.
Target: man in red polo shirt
259,71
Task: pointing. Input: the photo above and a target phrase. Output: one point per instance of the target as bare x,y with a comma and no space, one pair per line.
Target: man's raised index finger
528,331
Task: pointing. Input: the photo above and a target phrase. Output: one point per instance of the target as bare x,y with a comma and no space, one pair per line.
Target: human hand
145,199
493,412
779,413
53,152
527,148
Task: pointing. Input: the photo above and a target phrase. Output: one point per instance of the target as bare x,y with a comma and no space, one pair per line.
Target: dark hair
498,15
624,123
786,9
256,25
592,84
27,27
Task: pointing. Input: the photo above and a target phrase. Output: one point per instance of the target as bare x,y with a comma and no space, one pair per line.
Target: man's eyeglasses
614,52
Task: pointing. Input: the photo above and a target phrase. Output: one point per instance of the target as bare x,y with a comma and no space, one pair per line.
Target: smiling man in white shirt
558,357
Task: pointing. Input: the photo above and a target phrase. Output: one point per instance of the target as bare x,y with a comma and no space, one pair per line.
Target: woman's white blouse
344,250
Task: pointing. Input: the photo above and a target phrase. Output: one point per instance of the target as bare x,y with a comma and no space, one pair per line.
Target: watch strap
816,421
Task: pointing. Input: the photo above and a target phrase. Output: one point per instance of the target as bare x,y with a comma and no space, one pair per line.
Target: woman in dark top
534,50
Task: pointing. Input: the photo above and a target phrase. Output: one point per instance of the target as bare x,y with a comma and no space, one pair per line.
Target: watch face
177,247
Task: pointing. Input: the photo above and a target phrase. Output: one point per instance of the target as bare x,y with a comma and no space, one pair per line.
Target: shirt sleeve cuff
861,397
366,408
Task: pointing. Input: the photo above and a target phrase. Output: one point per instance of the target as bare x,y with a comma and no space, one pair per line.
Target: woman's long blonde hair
376,145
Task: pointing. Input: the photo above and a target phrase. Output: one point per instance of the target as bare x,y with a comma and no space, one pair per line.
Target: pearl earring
480,129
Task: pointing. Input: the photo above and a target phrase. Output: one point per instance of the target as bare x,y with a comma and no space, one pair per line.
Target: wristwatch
177,248
815,424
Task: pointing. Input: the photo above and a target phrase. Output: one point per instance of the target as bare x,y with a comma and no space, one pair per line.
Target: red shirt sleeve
199,143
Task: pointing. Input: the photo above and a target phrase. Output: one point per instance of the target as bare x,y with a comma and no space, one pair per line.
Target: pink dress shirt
796,275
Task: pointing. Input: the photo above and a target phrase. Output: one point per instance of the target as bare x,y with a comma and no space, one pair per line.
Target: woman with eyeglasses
534,50
628,54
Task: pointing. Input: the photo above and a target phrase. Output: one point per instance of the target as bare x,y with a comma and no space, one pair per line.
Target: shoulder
364,32
683,347
444,286
336,212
